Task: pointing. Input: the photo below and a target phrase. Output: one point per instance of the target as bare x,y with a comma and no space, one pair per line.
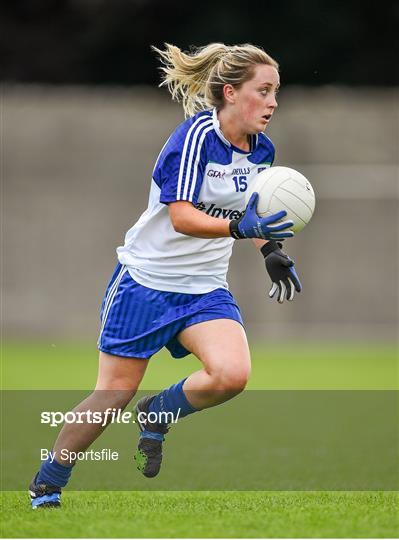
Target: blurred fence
76,171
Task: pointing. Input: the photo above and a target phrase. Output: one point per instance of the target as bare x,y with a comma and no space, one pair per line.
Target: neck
230,130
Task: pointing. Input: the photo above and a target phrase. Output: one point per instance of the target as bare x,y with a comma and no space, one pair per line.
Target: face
253,104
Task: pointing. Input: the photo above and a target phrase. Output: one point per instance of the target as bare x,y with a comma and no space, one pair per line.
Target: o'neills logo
216,174
215,211
243,170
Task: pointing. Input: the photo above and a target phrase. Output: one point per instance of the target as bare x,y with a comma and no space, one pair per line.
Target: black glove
281,270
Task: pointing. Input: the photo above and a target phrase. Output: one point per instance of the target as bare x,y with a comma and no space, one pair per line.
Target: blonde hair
197,79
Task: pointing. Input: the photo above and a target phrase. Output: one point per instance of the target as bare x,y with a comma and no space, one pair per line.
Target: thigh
120,373
220,344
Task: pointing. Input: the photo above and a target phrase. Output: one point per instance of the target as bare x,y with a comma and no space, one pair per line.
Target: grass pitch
203,514
207,514
60,366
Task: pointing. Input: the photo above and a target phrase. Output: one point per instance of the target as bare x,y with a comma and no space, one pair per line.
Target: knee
117,389
232,382
114,397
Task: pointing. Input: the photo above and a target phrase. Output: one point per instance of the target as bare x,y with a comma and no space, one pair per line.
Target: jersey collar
219,133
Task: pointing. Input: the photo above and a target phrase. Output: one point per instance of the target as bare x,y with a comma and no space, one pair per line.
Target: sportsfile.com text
109,416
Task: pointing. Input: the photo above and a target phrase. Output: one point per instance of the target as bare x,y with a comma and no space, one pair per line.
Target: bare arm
186,219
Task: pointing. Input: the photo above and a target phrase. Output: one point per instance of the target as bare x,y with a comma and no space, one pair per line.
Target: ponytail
197,79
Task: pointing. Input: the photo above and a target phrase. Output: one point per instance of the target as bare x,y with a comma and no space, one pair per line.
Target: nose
273,102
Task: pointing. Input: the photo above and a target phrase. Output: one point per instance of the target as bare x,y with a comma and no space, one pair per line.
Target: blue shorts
137,321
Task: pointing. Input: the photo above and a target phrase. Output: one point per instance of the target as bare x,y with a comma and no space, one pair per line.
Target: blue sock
152,435
172,400
54,474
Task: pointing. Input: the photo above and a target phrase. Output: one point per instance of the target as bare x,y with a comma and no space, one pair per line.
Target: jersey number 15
240,183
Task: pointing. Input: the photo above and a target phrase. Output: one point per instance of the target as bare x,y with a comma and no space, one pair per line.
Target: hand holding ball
282,188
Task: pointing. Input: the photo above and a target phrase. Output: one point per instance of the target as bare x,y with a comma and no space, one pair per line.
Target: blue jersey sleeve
181,164
264,153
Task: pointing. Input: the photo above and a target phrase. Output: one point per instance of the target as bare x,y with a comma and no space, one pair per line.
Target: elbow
179,225
180,213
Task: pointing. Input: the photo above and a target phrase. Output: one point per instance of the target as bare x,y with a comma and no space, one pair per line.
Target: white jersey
197,164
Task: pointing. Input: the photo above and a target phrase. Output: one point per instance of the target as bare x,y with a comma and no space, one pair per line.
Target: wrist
269,247
259,242
234,230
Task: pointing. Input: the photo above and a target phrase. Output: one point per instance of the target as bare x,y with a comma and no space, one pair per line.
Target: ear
229,93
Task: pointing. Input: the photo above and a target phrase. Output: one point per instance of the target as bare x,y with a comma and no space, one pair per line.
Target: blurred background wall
83,123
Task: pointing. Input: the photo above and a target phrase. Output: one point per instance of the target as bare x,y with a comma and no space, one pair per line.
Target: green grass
61,366
207,514
204,514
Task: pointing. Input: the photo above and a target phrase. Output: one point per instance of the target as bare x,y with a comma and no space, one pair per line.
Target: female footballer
169,288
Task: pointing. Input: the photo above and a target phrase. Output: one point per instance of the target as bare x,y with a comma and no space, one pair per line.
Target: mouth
267,117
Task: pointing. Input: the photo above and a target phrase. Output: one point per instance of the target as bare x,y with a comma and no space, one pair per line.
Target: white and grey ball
282,188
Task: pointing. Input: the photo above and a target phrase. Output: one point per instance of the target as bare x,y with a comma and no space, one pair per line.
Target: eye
264,92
